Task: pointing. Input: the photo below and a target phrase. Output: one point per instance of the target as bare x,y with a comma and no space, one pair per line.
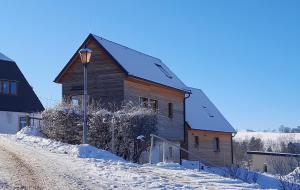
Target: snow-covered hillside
270,139
58,165
268,136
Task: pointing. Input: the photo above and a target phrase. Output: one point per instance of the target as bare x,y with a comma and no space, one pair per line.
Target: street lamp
85,56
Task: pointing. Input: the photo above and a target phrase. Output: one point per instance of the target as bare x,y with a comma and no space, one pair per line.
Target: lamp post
85,56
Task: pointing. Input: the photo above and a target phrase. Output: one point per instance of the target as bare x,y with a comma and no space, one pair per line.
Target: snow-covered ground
270,139
268,136
47,164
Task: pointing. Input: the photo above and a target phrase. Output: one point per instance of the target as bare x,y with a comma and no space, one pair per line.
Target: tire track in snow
22,176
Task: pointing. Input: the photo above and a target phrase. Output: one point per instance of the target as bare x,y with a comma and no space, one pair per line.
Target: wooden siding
205,150
105,78
170,128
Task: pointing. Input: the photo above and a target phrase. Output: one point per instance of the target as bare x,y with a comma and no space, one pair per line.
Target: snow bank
33,137
88,151
32,131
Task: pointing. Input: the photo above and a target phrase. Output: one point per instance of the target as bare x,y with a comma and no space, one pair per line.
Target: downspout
232,135
188,93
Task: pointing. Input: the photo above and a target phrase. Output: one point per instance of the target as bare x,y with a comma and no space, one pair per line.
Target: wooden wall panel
205,150
171,128
105,78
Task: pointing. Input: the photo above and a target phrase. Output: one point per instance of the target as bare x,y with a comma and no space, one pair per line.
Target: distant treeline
285,129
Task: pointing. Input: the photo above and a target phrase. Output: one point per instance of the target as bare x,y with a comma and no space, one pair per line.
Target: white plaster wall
9,122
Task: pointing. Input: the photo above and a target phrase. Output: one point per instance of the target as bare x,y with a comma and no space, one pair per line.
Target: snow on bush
64,123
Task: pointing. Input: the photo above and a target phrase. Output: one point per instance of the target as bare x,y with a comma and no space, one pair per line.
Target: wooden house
120,74
208,135
17,98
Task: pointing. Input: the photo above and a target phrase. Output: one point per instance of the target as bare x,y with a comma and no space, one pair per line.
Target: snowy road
29,164
23,167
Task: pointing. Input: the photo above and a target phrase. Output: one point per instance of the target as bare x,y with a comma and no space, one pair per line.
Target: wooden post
151,147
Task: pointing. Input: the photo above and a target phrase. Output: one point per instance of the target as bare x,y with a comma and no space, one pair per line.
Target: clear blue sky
245,55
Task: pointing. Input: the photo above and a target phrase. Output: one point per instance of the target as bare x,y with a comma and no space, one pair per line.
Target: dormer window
164,70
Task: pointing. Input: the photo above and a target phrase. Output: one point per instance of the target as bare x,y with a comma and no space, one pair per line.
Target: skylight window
207,111
164,70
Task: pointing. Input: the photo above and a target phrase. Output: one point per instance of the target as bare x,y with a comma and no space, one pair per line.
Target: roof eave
166,86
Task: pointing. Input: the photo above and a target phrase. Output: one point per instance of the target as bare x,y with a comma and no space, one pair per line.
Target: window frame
217,144
196,141
148,103
3,91
10,91
142,101
170,110
163,70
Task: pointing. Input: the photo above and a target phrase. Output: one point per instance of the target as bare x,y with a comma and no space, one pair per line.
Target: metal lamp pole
85,55
84,134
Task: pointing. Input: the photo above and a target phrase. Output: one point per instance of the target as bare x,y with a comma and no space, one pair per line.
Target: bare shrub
283,168
62,123
128,122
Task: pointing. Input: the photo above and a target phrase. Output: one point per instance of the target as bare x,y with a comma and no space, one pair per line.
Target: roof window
164,70
207,111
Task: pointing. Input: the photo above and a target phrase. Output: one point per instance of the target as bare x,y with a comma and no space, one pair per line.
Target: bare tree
283,168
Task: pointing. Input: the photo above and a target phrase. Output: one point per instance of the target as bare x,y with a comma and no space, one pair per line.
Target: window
207,111
216,144
149,103
5,86
171,152
144,102
153,104
170,110
164,70
74,102
8,87
196,141
13,88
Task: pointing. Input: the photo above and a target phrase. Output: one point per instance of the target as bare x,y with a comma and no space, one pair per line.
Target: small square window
144,102
154,104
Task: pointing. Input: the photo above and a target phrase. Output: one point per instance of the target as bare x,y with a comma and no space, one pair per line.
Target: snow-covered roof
202,114
4,57
140,65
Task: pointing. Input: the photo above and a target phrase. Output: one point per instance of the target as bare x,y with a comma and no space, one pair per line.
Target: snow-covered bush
62,123
132,126
128,123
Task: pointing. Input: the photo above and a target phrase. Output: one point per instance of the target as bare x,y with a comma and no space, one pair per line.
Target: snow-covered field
55,165
268,136
270,139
